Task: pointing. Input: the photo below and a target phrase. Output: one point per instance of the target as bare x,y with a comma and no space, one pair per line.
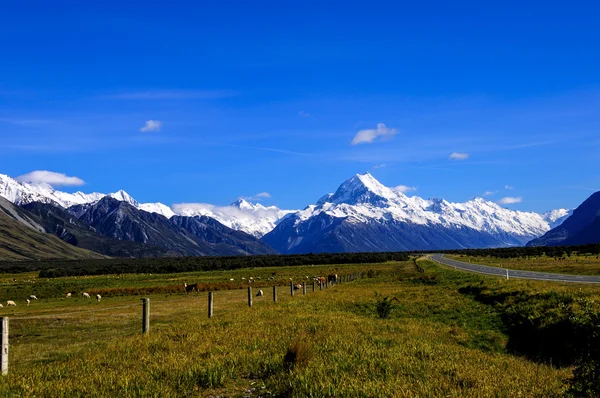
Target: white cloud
459,156
488,193
369,135
405,188
259,196
380,166
509,200
303,114
50,178
151,126
509,187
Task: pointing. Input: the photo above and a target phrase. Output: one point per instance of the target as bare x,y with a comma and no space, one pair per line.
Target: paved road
541,276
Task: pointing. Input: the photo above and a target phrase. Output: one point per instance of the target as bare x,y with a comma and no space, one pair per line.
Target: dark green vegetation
58,268
21,238
449,334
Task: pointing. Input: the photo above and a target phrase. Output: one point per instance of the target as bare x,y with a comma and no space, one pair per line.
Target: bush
384,306
299,353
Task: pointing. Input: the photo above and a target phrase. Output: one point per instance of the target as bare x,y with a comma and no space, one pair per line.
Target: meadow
448,334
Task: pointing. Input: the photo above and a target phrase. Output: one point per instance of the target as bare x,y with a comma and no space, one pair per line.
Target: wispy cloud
488,193
303,114
151,126
509,187
404,188
50,178
172,95
258,196
509,200
459,156
368,136
25,122
380,166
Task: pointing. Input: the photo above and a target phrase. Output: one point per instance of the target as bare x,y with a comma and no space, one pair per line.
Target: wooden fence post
210,304
320,285
326,282
249,296
304,288
145,315
314,285
274,294
4,346
292,288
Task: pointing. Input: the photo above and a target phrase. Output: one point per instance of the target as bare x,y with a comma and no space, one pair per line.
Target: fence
145,329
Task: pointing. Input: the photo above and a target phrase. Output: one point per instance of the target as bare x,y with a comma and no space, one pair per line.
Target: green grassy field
574,264
439,340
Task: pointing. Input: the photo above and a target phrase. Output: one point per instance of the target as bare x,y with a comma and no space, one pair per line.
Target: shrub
384,306
299,352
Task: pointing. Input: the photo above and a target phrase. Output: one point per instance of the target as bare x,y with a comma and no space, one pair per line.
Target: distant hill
183,236
581,228
67,227
23,238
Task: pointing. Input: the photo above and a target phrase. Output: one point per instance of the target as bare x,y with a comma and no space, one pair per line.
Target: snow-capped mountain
365,215
21,193
241,215
554,218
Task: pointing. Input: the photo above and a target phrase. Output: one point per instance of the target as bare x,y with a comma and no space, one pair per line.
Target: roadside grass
574,264
438,341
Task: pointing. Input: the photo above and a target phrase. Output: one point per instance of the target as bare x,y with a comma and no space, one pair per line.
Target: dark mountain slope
582,227
66,226
22,238
120,220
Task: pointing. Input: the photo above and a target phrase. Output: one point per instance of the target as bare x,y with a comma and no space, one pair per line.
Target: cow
297,286
320,280
191,288
260,293
332,278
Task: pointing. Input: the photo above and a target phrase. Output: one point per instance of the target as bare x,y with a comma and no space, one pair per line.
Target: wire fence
46,335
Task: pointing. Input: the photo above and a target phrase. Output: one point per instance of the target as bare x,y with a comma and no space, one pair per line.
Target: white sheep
68,295
28,301
1,306
32,297
86,295
98,297
10,302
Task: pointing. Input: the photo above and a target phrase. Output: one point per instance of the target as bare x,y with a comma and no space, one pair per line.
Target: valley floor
438,341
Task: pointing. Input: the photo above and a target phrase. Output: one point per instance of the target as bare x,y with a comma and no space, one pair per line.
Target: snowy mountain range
360,201
365,215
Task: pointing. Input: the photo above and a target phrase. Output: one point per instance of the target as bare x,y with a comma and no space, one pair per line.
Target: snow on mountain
362,204
556,217
21,193
254,219
363,198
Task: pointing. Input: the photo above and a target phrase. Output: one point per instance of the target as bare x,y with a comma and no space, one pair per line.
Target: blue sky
244,99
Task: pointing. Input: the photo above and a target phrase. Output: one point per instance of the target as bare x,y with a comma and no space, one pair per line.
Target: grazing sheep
297,287
231,279
86,295
260,293
32,297
98,297
1,306
68,295
28,301
11,303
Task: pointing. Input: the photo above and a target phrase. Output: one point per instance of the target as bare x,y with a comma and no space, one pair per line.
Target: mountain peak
242,203
123,196
362,188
